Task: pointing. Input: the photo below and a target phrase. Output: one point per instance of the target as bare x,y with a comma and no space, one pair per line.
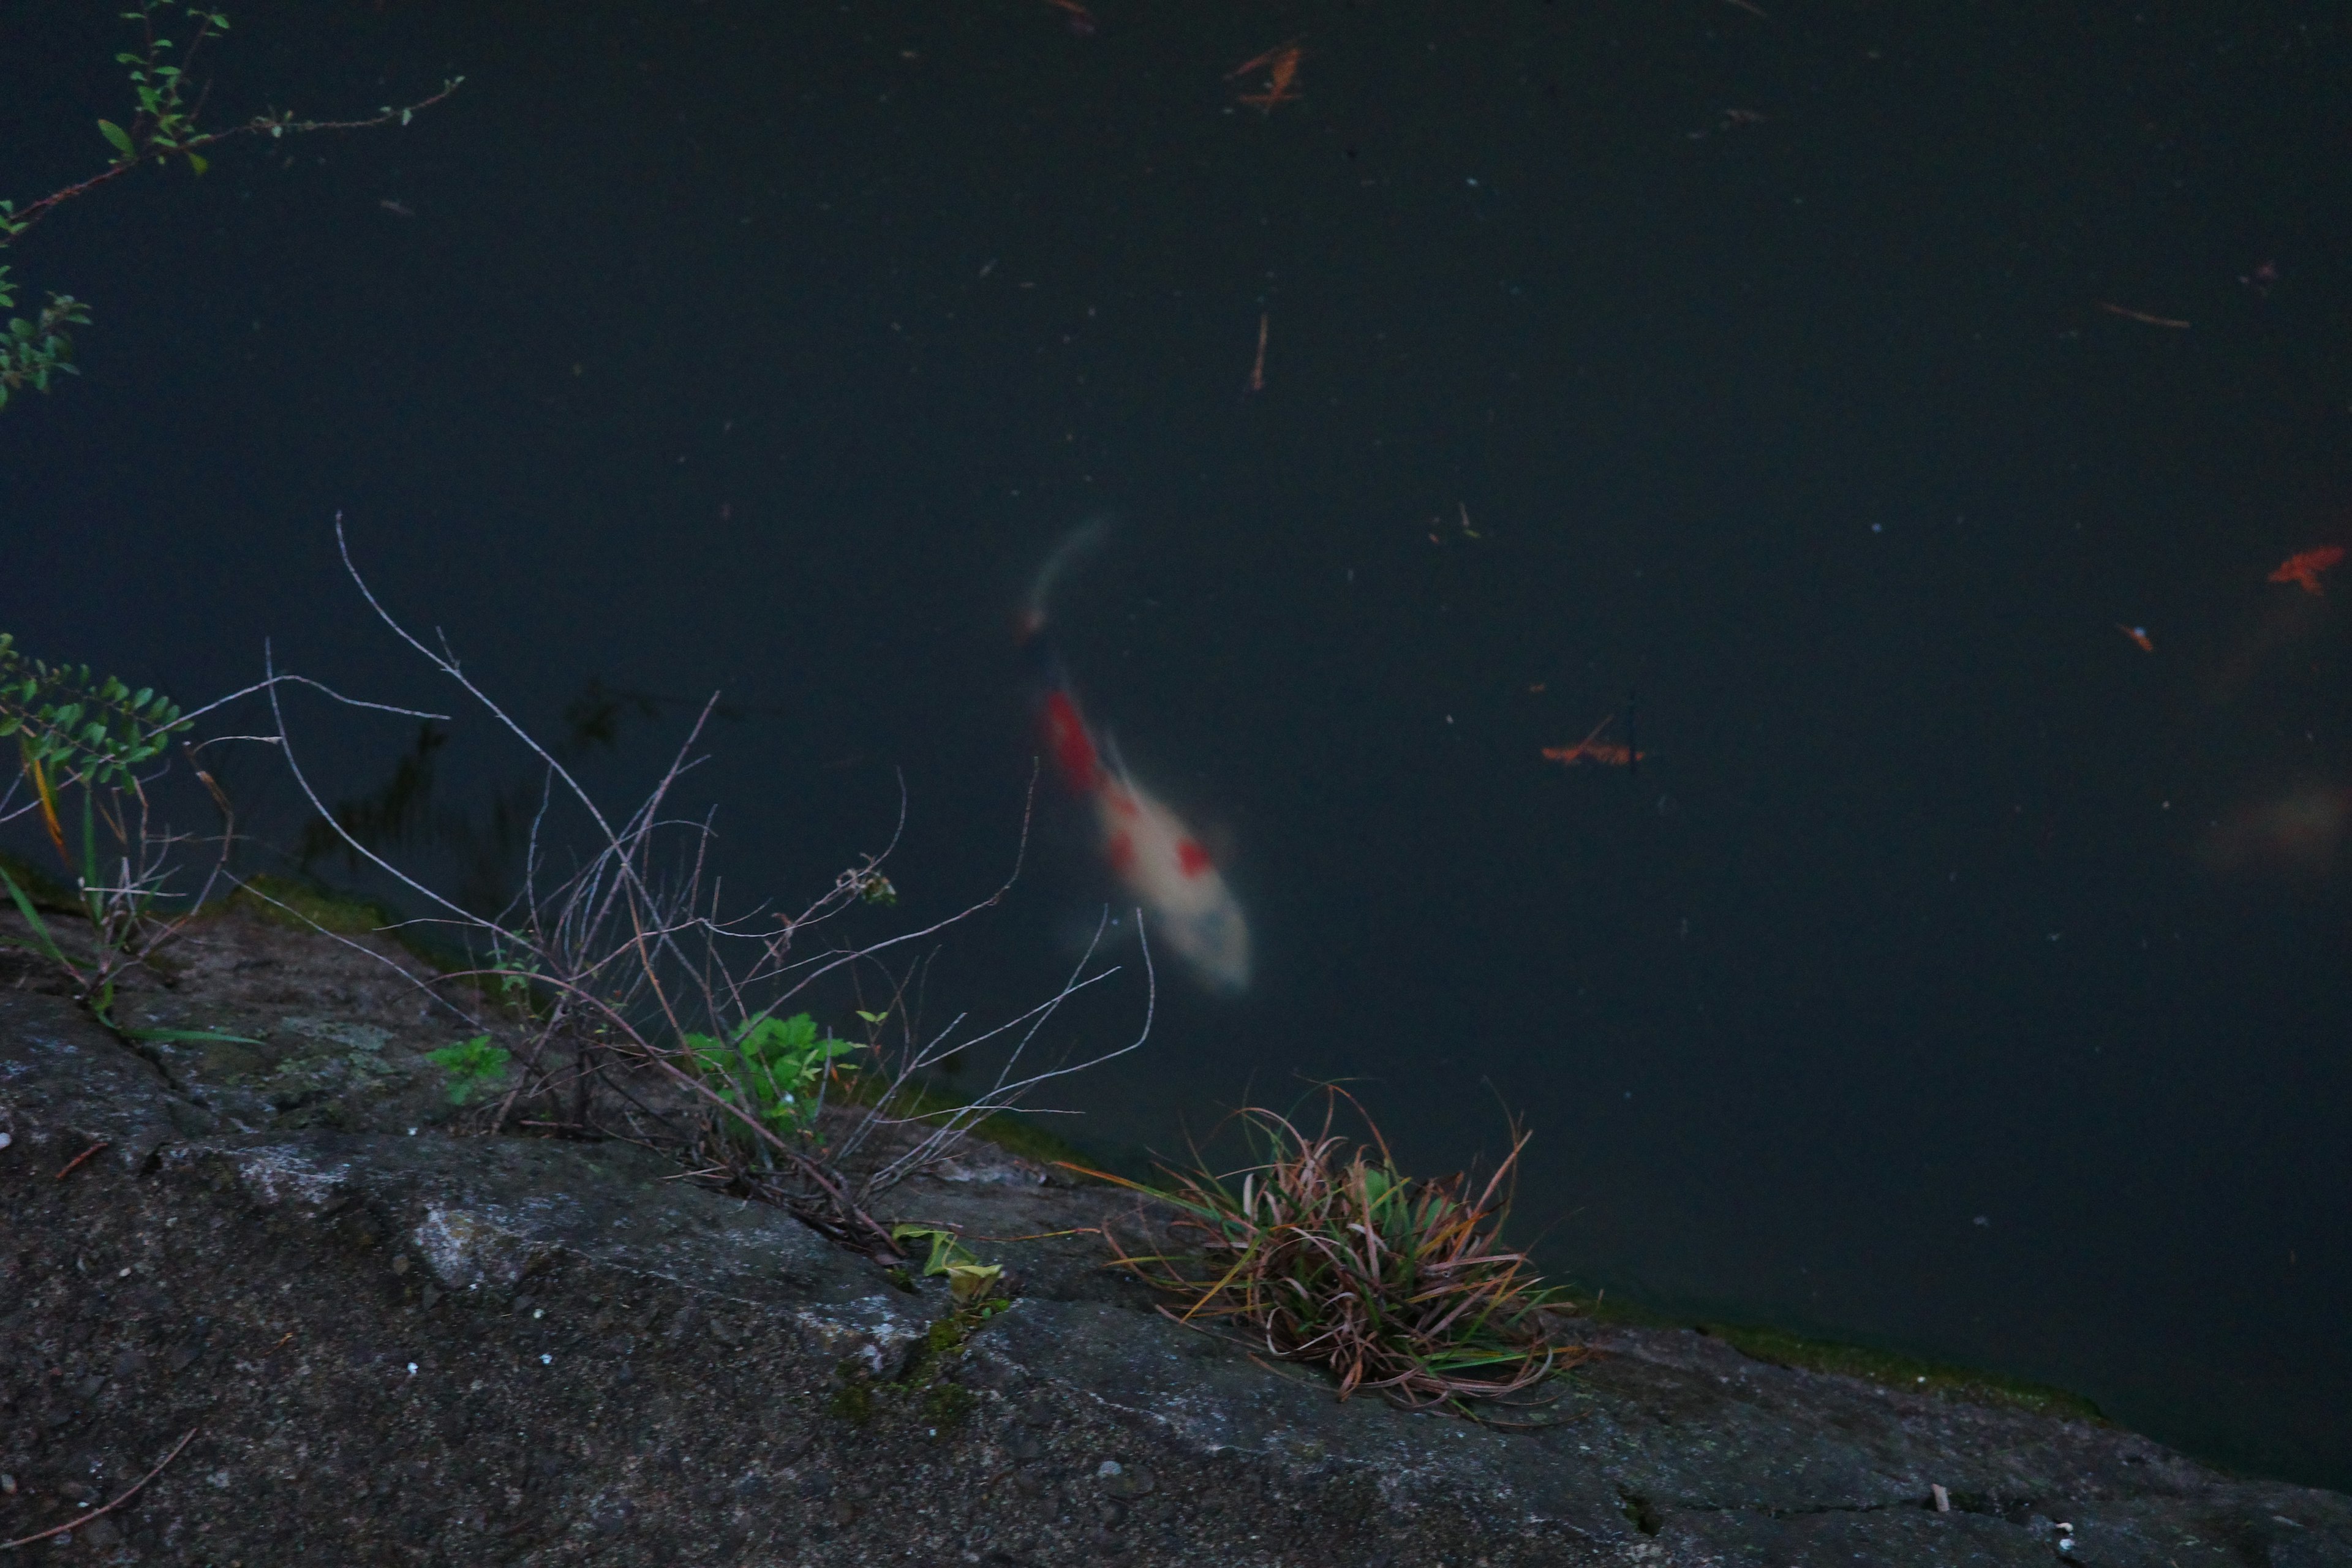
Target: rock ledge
399,1346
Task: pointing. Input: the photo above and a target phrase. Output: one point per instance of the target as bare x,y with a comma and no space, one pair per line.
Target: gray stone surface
420,1348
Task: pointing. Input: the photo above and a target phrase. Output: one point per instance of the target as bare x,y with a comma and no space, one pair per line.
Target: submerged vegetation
1322,1251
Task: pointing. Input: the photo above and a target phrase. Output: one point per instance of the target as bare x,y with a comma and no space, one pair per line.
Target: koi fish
2138,635
1592,748
2307,567
1157,861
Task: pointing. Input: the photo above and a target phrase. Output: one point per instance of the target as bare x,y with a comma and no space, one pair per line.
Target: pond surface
1884,422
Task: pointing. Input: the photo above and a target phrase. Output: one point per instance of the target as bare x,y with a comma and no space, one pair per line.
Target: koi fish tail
1080,542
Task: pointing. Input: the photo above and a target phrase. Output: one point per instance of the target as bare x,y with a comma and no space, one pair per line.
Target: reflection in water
410,810
2295,834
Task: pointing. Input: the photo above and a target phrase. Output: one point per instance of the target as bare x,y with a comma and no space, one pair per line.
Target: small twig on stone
75,1163
75,1523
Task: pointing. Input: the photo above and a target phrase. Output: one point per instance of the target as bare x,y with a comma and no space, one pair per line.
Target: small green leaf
197,162
116,134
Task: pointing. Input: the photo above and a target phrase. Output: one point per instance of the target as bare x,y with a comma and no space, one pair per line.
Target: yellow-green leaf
116,134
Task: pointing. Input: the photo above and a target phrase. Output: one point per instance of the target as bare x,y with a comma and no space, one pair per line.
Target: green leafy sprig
31,352
772,1068
73,728
970,1282
472,1065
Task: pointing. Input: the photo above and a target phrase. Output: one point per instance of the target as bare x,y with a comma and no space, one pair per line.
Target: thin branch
76,1523
277,125
301,680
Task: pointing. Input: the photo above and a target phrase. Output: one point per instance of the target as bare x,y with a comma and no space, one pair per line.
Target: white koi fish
1158,860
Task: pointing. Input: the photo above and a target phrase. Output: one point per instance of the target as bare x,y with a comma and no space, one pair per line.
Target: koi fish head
1216,944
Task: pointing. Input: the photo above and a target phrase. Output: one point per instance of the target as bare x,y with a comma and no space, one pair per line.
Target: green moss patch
1887,1368
1008,1130
304,906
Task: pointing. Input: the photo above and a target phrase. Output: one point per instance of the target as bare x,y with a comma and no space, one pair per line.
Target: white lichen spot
281,1175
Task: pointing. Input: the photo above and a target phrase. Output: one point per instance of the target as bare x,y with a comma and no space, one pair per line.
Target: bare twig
76,1162
277,125
635,992
75,1523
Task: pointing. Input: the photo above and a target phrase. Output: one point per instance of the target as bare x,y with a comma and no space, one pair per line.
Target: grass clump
1323,1252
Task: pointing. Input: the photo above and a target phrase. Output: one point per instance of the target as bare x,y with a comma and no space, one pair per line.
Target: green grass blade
90,896
178,1035
40,929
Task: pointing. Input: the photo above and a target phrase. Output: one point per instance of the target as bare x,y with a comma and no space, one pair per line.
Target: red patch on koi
1119,850
1073,751
1191,858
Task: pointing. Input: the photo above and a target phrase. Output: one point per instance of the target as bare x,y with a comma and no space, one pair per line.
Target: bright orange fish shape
2307,567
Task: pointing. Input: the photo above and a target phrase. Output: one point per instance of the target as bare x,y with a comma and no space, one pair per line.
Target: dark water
1951,974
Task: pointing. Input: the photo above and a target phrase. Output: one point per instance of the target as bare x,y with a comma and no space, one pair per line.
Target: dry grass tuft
1324,1252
